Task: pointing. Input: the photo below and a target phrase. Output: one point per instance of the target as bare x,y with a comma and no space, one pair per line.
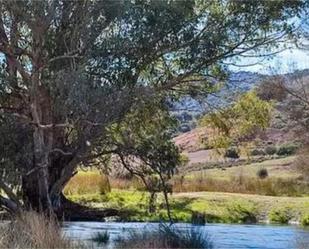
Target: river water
223,236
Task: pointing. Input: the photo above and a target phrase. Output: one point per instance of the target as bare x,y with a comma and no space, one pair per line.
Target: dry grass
277,168
93,182
33,230
126,184
302,162
242,184
282,180
90,182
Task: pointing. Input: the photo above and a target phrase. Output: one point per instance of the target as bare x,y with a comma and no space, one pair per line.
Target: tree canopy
72,71
235,124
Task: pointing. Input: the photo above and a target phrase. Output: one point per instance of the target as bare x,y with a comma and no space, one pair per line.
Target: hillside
188,109
288,121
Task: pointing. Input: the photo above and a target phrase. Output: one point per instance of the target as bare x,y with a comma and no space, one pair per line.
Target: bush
184,159
287,149
241,213
257,152
279,215
167,236
304,220
232,153
271,150
262,173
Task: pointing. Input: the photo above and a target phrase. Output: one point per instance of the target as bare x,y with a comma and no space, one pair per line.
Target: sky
284,62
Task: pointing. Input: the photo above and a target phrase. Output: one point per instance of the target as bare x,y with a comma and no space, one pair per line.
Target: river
223,236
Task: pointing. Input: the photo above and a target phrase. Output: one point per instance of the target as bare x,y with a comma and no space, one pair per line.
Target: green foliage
217,207
184,159
145,149
257,152
240,121
279,215
241,213
86,78
287,149
305,220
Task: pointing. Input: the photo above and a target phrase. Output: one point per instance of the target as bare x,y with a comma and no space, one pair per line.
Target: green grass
217,207
304,220
279,215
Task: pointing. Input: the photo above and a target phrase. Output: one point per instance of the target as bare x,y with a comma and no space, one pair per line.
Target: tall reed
33,230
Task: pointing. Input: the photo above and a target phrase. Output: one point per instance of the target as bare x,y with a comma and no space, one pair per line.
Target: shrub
271,150
279,215
167,236
304,220
287,149
101,237
231,153
184,159
262,173
241,213
257,152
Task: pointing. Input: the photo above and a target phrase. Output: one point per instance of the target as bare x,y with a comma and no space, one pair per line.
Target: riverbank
215,207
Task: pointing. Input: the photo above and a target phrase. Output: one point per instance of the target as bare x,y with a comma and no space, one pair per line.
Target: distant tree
238,123
232,152
71,70
262,173
271,89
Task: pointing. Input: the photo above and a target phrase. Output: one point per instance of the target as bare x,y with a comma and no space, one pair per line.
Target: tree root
72,211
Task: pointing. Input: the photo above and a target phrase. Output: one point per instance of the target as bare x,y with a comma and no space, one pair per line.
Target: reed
33,230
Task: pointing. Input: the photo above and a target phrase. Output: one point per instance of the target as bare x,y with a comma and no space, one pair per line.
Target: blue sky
286,61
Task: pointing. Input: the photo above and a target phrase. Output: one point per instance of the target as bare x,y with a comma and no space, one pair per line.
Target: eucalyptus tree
70,70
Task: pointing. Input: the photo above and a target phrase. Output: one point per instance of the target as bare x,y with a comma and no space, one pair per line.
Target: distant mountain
238,82
188,109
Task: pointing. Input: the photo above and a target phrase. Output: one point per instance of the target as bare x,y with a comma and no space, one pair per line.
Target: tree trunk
63,208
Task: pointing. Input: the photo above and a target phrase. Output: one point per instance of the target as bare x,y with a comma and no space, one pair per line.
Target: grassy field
228,205
277,168
217,207
282,179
